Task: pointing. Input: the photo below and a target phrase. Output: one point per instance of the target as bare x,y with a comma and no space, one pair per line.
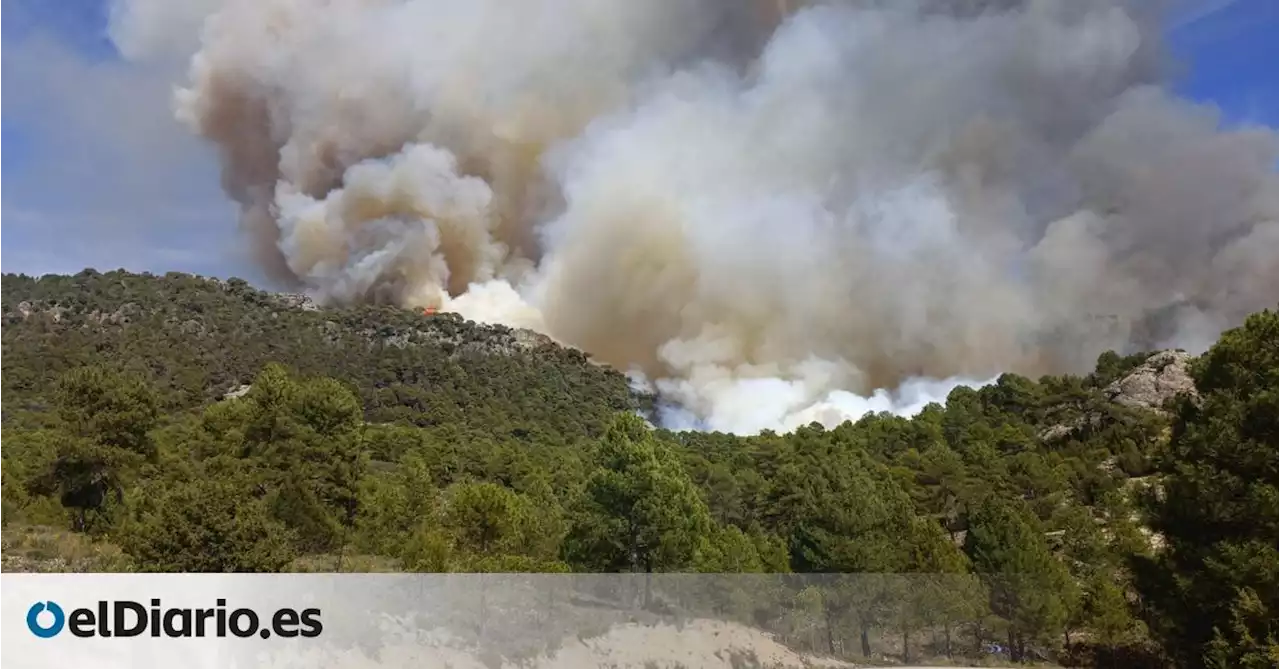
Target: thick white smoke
777,212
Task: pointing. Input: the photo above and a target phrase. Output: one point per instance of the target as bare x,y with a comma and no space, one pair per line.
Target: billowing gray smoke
770,209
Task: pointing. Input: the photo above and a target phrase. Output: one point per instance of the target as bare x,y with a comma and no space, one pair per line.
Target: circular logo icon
45,631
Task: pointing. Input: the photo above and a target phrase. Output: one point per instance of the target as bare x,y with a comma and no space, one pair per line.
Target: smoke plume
775,212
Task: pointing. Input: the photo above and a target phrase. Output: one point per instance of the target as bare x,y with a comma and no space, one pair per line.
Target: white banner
465,621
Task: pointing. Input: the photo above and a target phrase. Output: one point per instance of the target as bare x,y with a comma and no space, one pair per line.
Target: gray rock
1070,428
1058,432
1161,377
239,392
125,314
297,301
1157,380
531,339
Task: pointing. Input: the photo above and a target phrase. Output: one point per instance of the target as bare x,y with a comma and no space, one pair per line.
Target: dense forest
179,423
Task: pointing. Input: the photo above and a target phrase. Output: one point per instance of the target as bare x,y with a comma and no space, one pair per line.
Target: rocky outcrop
1160,378
1157,380
238,392
1063,430
126,314
27,310
296,301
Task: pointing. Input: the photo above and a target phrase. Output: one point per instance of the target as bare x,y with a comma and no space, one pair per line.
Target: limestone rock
240,391
1160,378
297,301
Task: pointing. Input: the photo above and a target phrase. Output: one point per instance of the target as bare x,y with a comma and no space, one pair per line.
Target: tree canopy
202,425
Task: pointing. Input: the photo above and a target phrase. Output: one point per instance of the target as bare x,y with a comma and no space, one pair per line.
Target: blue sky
1228,52
96,172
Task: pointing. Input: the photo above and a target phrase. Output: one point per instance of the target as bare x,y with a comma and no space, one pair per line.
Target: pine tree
208,525
639,510
1217,578
104,417
1029,587
307,437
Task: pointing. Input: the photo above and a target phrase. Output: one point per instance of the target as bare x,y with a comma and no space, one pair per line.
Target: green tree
487,519
101,438
450,404
639,510
429,550
847,515
307,437
1106,611
546,524
114,408
1217,577
1236,646
935,587
13,496
208,525
726,549
393,506
1029,587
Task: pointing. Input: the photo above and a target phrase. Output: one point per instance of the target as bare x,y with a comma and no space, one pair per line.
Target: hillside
197,339
178,423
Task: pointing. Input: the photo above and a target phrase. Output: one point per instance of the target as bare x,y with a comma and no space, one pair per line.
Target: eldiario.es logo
123,618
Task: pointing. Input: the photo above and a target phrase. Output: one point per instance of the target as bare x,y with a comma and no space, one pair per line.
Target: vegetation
1036,514
1213,592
